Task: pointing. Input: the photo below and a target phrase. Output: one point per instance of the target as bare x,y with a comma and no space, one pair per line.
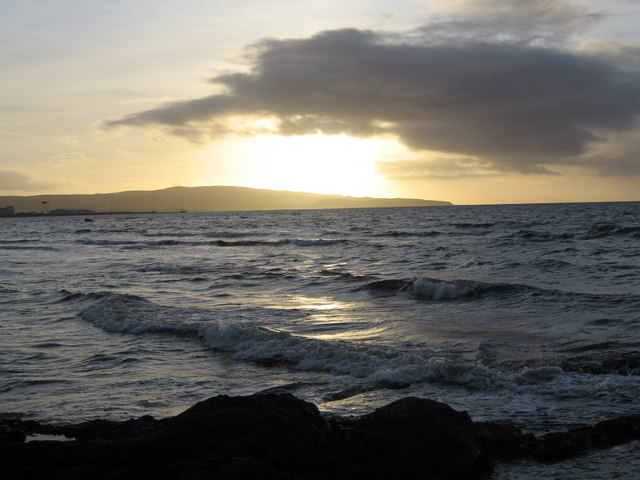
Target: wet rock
14,430
418,438
559,446
103,429
261,437
279,430
277,436
504,440
11,434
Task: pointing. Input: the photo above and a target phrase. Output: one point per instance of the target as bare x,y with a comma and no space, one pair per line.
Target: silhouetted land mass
203,199
277,436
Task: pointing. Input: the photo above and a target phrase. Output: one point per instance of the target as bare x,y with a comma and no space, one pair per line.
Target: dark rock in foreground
281,437
416,438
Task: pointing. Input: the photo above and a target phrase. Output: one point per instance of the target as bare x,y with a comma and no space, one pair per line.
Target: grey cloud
625,55
440,168
617,166
180,113
514,105
617,155
12,181
529,21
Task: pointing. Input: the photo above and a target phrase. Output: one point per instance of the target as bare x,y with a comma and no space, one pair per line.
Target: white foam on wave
434,289
248,341
131,314
476,376
439,290
532,376
43,437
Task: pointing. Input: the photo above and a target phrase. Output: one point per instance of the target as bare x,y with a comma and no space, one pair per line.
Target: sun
318,163
328,164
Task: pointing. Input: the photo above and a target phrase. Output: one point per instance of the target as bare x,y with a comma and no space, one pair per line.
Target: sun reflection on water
331,319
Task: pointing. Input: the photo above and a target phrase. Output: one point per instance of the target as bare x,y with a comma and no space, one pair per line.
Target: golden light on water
311,303
331,319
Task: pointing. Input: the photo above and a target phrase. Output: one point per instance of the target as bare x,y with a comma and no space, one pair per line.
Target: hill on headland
202,199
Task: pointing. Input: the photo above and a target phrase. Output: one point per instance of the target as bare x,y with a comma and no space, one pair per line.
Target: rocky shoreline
277,436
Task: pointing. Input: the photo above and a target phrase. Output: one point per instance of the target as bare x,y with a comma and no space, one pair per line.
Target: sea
525,313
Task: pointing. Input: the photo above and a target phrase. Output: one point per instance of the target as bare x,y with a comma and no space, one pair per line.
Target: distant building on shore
70,211
7,211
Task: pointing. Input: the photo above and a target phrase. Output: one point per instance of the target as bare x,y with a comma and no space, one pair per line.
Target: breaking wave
433,289
250,342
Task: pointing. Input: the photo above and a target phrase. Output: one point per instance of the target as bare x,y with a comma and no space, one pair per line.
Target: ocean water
523,312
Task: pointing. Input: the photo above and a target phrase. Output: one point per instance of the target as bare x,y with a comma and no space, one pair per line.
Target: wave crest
433,289
251,342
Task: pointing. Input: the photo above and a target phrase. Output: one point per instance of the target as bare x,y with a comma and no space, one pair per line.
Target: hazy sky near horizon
469,101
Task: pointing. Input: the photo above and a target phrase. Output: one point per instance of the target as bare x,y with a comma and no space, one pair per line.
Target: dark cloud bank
498,92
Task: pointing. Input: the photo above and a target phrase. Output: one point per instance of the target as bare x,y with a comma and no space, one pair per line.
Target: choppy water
527,312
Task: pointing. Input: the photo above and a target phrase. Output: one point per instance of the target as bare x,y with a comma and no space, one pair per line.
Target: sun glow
331,164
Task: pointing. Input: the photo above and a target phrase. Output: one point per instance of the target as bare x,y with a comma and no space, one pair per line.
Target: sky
469,101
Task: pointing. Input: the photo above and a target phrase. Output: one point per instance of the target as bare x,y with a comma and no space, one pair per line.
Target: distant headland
193,199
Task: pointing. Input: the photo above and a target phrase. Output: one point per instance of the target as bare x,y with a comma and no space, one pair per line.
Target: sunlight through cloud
337,164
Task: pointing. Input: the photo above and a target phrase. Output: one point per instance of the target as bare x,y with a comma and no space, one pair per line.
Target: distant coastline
192,199
78,214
